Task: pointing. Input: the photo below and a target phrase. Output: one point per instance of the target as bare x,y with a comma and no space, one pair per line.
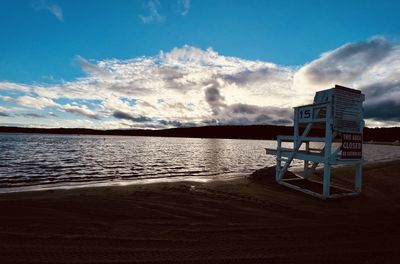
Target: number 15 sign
305,114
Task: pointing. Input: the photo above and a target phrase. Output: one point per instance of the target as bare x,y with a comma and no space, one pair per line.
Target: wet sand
238,221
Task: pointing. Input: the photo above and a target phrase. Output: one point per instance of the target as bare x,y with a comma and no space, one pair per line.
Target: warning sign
351,146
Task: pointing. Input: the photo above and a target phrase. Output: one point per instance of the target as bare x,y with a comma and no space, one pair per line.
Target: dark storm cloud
214,98
347,62
383,111
244,109
81,111
249,76
176,123
381,89
242,121
259,119
255,109
213,95
372,50
209,122
173,123
127,116
245,114
382,101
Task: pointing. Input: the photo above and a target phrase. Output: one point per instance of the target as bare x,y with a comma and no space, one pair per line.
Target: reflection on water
36,159
52,159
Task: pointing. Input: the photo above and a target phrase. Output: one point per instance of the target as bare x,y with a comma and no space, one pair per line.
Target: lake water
37,161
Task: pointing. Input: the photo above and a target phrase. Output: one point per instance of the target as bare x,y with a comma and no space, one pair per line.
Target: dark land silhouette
270,132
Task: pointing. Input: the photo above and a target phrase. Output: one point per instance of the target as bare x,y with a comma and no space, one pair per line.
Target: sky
175,63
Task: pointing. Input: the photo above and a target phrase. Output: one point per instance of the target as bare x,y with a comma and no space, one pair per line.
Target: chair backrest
347,108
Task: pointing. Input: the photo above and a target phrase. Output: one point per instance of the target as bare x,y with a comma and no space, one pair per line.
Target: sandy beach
237,221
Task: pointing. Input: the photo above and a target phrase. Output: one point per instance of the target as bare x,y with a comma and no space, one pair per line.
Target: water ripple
33,159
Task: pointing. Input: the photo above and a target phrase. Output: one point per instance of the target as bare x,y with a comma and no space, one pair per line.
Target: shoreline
145,181
236,221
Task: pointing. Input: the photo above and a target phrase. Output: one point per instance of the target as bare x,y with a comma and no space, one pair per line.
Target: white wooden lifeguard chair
339,112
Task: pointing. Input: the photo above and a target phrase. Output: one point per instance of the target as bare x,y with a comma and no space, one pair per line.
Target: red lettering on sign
351,146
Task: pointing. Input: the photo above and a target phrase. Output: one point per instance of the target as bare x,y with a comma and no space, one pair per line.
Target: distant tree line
235,132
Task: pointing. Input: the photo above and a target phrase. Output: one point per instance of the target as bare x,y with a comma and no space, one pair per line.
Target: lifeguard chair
338,112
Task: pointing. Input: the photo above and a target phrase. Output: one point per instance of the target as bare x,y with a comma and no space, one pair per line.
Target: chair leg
327,180
358,179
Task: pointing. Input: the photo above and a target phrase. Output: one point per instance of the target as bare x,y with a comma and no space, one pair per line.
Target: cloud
384,101
373,66
379,92
33,115
14,87
81,110
4,112
3,109
173,123
245,114
214,98
154,15
184,7
53,9
127,116
186,84
191,86
387,110
347,64
30,101
91,69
